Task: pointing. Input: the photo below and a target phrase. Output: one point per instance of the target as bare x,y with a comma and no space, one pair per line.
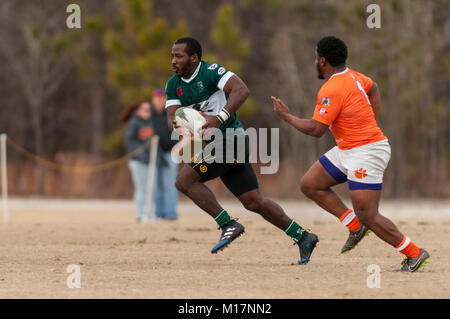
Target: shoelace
405,261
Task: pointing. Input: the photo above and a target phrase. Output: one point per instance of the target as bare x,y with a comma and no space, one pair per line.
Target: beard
319,72
186,68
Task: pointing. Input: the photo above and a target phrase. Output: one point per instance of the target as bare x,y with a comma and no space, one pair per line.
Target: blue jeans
139,173
165,195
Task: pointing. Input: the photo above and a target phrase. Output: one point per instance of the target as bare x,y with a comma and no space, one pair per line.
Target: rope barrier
77,168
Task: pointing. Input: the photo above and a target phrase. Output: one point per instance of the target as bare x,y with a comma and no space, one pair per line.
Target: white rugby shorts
362,167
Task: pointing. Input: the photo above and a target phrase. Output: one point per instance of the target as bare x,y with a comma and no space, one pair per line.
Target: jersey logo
325,101
196,106
200,85
179,92
323,111
221,70
203,168
145,132
212,66
360,173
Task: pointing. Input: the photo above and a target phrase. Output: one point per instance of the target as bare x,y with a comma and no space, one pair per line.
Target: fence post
4,177
149,208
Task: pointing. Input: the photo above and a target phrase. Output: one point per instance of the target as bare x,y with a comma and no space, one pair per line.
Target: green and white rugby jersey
203,91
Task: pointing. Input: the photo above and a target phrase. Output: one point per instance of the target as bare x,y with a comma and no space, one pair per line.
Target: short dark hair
192,46
333,50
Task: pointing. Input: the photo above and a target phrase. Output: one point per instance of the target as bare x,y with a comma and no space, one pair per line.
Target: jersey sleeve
366,82
171,94
329,105
218,76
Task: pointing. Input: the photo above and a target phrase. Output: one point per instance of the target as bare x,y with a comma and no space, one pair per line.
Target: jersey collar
193,75
339,73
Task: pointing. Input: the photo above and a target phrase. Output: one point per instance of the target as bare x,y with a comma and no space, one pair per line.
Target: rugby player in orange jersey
348,103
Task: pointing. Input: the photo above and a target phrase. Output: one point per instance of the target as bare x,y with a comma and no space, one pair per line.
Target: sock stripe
222,218
348,219
219,214
404,243
348,211
295,231
287,229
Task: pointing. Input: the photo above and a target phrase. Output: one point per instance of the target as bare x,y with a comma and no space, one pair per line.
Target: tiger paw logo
360,173
145,132
203,168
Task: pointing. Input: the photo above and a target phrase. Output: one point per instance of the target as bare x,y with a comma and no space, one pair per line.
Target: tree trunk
36,125
97,117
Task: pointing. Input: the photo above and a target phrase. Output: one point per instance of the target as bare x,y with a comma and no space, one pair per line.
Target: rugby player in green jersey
218,93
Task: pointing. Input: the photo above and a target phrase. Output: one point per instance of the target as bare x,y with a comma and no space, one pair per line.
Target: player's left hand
212,123
279,107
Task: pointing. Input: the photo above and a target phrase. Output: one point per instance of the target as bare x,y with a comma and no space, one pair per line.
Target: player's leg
190,183
316,184
242,182
268,209
365,202
365,166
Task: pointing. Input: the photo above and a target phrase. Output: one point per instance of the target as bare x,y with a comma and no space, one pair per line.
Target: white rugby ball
192,120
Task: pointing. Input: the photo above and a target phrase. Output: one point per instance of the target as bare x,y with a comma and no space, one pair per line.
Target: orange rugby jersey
343,104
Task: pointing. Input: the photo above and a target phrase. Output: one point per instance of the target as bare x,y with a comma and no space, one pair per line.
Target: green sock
295,231
223,218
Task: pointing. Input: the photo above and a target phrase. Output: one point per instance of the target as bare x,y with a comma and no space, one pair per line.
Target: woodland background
62,89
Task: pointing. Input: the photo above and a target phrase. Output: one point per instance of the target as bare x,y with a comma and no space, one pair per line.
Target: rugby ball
191,120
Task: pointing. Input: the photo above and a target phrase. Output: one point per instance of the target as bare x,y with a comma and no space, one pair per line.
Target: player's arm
172,104
171,115
374,97
307,126
237,92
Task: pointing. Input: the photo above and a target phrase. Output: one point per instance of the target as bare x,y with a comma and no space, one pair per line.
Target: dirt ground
120,258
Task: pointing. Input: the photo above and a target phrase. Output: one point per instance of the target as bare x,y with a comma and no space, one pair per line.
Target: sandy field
119,258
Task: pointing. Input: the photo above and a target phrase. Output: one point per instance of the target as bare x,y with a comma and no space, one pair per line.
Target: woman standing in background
165,194
143,121
139,130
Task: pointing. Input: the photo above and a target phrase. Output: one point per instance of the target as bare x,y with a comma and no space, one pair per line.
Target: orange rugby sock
350,220
408,248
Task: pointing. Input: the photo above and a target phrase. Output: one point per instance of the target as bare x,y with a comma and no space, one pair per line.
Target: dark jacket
161,128
137,133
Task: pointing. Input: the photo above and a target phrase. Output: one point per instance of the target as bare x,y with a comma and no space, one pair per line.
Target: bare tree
35,51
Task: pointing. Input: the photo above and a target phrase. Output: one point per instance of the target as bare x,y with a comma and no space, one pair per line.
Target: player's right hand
181,130
279,107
